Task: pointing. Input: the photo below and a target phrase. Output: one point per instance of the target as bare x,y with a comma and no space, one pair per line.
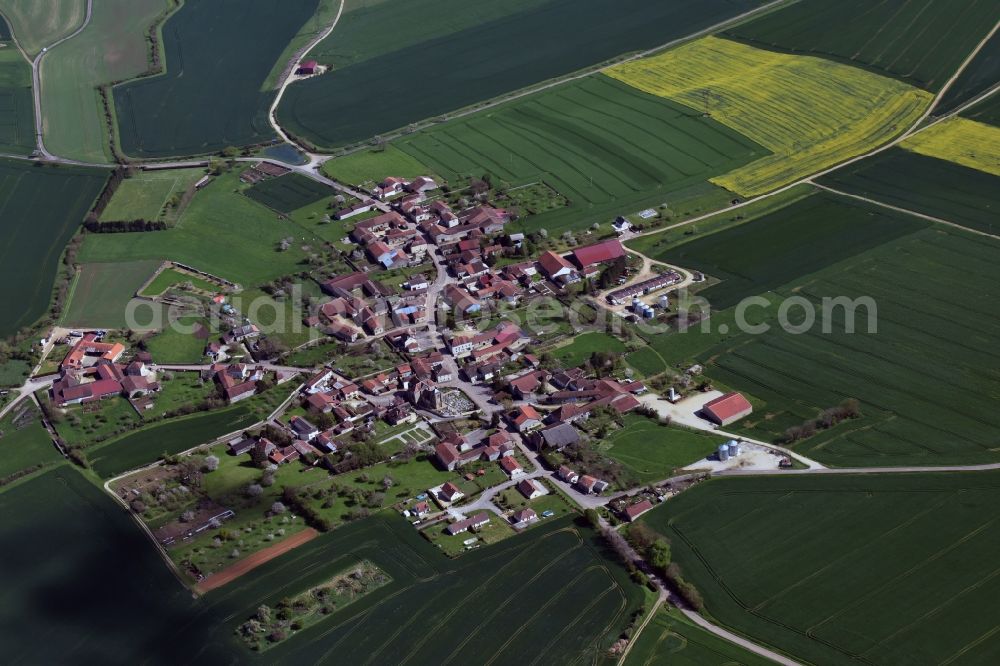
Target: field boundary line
400,132
810,180
900,209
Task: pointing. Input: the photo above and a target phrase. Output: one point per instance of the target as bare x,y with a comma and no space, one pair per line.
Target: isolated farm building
591,257
727,409
530,489
307,68
633,511
524,517
474,523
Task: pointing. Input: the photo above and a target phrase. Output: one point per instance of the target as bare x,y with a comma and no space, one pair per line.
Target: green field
849,569
654,451
40,210
578,352
146,445
171,277
978,76
24,442
552,588
939,188
17,114
112,47
924,379
986,111
798,239
670,639
204,102
218,217
922,42
289,192
608,148
502,47
180,347
371,166
145,194
38,23
101,292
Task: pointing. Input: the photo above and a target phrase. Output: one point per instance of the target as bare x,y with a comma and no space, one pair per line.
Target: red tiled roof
552,263
635,510
727,406
598,253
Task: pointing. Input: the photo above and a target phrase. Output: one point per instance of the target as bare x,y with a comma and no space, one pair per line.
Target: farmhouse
524,418
88,350
474,523
555,267
524,517
510,465
530,489
727,409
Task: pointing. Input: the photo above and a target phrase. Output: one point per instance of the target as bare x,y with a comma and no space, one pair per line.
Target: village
475,433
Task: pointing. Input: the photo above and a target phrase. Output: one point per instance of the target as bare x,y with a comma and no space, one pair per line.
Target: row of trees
123,226
848,409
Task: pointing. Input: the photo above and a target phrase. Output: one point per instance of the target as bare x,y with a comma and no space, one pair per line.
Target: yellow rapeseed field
967,142
810,112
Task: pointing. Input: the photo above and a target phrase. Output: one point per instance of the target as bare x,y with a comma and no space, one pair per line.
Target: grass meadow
24,442
38,24
41,209
966,142
605,146
579,350
670,639
145,194
891,570
100,293
371,166
654,451
927,185
810,113
144,446
905,40
502,47
113,47
204,103
172,277
221,232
